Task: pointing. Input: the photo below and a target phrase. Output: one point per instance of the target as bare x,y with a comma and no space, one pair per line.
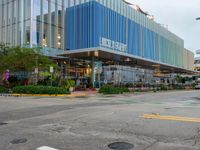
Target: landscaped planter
40,90
3,90
108,89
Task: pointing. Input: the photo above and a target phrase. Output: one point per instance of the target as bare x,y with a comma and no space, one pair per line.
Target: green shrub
108,89
68,83
178,87
193,85
40,90
3,90
164,87
71,83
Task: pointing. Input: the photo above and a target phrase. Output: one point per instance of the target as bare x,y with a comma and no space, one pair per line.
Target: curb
46,95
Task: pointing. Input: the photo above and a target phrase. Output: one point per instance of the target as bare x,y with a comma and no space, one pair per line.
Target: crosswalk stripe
46,148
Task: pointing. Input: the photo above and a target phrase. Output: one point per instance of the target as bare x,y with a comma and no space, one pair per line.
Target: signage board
51,69
107,43
36,71
98,67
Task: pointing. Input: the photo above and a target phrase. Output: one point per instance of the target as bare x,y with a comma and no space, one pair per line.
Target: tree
3,50
23,59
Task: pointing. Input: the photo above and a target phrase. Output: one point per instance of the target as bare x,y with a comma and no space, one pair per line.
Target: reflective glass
36,9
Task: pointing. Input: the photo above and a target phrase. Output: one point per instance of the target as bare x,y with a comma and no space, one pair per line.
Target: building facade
116,26
197,61
110,31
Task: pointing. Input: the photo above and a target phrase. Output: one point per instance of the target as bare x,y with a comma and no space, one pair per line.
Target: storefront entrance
78,70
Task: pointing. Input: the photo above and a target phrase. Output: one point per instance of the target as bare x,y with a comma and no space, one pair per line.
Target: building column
22,22
41,33
63,25
49,25
93,73
31,24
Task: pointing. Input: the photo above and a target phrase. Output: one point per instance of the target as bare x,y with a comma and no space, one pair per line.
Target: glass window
27,33
19,31
19,11
35,32
45,10
59,38
59,16
59,2
27,9
45,23
53,20
53,24
36,9
45,35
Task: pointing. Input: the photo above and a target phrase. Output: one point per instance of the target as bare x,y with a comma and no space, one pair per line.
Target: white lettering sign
107,43
51,69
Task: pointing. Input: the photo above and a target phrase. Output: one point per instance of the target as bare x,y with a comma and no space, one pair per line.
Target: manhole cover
18,141
167,108
121,146
3,123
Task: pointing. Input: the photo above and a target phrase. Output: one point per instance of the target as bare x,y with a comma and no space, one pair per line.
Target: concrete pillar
93,73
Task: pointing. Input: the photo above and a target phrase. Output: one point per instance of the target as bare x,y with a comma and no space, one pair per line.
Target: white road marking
46,148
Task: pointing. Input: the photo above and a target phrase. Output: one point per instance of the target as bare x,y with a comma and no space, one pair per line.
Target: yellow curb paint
47,95
173,118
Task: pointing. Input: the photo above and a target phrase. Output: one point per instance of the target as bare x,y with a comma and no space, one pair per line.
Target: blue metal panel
88,22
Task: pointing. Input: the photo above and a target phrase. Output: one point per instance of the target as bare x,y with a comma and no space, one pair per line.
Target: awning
122,58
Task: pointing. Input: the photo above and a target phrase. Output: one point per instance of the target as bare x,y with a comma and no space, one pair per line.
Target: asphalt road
27,123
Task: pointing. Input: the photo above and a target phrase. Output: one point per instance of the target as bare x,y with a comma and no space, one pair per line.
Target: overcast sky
179,15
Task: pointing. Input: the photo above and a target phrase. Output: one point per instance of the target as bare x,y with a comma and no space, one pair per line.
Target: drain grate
18,141
3,123
121,146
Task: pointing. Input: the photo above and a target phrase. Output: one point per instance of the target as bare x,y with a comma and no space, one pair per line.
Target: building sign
107,43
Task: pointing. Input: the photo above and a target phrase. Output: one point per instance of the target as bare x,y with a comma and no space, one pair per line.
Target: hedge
40,90
3,90
164,87
108,89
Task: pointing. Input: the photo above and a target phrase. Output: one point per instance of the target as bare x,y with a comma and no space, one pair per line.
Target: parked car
197,86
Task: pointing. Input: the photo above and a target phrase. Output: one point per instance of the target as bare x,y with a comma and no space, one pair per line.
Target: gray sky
179,15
